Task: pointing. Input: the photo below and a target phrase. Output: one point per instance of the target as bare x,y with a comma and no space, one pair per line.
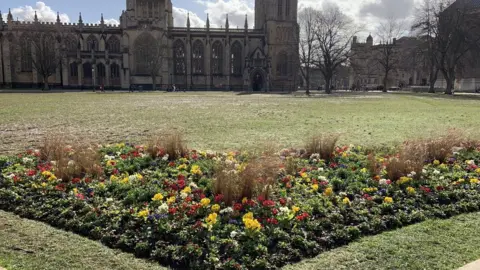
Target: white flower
233,234
436,171
284,210
109,200
163,208
193,185
143,155
183,195
320,169
382,181
27,160
413,173
322,178
315,156
424,171
132,178
71,163
228,162
471,162
165,158
11,176
442,177
54,163
36,151
226,210
409,175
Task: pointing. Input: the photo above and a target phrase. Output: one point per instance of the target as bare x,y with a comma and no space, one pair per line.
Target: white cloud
44,13
180,18
110,22
236,10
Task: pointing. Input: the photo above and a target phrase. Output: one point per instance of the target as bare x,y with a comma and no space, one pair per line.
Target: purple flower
233,221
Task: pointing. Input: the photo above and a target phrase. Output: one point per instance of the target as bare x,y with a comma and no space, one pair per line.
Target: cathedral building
262,58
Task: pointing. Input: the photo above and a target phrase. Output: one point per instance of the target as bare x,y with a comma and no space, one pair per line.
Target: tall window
150,9
287,8
280,9
74,69
25,54
144,47
217,57
236,64
100,70
179,57
71,44
115,70
92,43
87,70
282,64
197,57
113,44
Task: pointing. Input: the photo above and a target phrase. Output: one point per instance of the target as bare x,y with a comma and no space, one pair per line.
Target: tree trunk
154,83
307,79
433,80
450,78
327,85
45,84
385,79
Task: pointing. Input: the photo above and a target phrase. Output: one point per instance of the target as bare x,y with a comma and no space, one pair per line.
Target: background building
260,59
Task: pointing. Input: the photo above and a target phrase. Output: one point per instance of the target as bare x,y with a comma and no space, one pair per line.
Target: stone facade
258,59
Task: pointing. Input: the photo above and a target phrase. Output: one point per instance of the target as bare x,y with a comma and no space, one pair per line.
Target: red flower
274,211
171,164
324,183
202,196
115,171
76,180
389,182
302,216
188,199
283,201
181,177
288,185
123,156
197,224
181,184
219,198
172,211
238,207
82,197
268,203
29,151
333,165
425,189
88,180
272,221
285,180
31,172
194,156
261,198
440,188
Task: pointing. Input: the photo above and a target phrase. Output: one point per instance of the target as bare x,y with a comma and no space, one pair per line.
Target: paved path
471,266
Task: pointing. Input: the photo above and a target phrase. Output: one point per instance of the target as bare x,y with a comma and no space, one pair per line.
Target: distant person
174,88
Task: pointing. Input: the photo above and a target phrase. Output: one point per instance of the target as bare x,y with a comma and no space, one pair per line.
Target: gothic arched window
179,57
282,64
236,58
287,8
92,43
101,70
74,69
144,48
197,57
115,70
71,44
87,70
217,58
25,53
113,44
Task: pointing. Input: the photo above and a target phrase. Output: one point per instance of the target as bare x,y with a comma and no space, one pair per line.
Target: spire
208,22
58,17
227,25
9,16
246,22
188,20
102,22
35,19
80,21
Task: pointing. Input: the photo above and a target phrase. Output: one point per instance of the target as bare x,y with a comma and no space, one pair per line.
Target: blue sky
91,9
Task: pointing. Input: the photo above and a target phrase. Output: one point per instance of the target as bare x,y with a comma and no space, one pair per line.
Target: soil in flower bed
172,210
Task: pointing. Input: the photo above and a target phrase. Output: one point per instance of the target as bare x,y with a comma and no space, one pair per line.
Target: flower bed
167,210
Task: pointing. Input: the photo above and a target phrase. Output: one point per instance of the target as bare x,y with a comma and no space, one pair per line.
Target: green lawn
222,121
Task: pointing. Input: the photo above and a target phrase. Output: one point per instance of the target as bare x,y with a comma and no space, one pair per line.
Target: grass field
222,121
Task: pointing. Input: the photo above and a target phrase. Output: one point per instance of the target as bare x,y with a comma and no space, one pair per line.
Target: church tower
278,19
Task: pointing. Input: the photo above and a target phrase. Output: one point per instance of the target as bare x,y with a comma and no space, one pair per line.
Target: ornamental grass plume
71,160
171,144
323,144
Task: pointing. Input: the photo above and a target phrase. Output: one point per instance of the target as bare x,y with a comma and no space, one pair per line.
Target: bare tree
153,52
307,43
458,33
334,33
46,56
387,54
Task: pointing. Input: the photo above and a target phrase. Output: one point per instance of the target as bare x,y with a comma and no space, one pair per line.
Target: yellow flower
474,181
295,209
216,208
196,170
75,191
211,219
346,200
143,213
461,180
388,200
205,202
113,178
244,200
370,190
252,224
120,145
187,190
125,180
248,215
171,200
344,154
139,176
315,187
44,185
404,180
436,162
477,170
304,175
182,167
157,197
52,178
111,163
46,174
410,190
328,191
364,170
101,185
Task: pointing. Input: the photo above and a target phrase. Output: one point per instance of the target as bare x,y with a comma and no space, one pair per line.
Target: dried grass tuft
323,144
172,144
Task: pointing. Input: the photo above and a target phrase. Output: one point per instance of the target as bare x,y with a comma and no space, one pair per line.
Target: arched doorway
257,81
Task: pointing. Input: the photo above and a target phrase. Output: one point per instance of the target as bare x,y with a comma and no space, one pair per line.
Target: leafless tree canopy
307,42
150,53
